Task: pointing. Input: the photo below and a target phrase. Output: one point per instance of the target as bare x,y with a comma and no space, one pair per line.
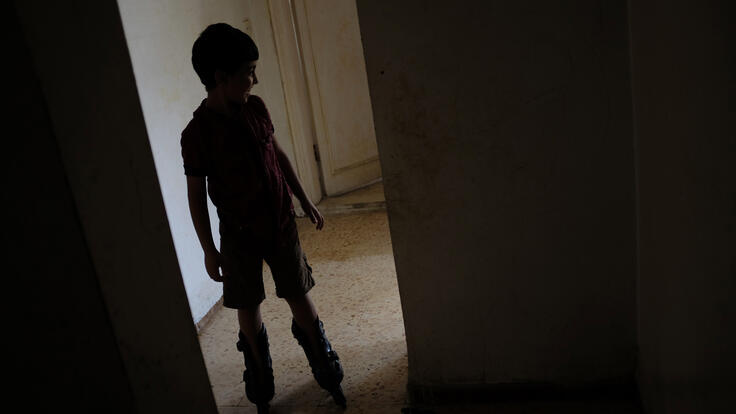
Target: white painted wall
160,35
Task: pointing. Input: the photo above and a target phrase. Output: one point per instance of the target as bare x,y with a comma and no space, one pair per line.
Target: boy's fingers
316,217
215,274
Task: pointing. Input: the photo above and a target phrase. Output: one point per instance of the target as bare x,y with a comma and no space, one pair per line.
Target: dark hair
221,46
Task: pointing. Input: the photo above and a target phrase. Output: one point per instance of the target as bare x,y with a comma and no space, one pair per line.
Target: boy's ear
220,77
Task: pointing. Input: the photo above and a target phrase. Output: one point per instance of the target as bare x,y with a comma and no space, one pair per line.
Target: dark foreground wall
504,130
97,318
63,351
685,112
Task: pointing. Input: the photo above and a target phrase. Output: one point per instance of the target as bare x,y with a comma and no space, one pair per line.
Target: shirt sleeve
193,153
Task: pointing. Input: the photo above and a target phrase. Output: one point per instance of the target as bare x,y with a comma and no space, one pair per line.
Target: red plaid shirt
238,157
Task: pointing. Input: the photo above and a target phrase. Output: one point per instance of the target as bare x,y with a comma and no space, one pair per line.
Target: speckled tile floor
356,295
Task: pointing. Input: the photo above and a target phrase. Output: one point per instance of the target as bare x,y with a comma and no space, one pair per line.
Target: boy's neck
216,102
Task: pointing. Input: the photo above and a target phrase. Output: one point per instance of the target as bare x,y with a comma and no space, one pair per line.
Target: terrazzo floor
356,295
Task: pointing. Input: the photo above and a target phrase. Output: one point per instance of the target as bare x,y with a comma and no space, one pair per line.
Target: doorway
320,54
329,127
323,121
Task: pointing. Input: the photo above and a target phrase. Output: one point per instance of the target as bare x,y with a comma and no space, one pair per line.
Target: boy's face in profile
236,87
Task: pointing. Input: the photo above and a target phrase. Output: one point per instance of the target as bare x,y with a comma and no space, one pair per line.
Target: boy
250,180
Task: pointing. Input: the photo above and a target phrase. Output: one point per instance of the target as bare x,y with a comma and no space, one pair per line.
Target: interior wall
683,78
505,136
160,35
107,318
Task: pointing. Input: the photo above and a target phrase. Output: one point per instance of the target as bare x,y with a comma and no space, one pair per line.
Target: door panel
296,95
334,69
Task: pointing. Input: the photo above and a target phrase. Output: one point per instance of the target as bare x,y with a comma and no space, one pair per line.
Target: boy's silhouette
230,143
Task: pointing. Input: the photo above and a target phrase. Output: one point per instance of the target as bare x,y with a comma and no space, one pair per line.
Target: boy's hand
213,263
314,215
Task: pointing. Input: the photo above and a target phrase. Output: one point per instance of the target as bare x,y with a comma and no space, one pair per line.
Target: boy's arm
197,194
309,208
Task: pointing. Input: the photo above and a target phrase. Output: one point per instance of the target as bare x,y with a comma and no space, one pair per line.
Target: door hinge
316,153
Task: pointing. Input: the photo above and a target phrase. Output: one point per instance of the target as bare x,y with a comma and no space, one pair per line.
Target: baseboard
352,208
207,318
356,188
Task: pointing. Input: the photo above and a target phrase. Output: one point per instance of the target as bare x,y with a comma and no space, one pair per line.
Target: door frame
298,104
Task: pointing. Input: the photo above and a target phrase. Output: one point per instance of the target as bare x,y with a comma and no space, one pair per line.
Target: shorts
243,253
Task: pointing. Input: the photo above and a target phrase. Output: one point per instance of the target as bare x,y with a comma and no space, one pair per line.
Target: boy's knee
297,299
249,310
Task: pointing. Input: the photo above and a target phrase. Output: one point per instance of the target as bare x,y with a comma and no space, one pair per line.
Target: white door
333,68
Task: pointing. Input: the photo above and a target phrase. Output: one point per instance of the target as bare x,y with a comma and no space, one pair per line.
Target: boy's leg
243,291
293,278
309,331
250,322
253,343
305,314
